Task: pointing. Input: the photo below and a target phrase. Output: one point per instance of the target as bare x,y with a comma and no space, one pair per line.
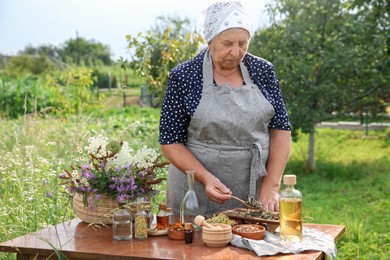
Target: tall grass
350,186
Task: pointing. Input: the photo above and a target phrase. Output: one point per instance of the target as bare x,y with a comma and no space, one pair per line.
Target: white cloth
272,244
221,16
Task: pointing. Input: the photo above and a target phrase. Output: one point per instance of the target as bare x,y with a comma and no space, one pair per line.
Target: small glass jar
141,221
162,217
121,225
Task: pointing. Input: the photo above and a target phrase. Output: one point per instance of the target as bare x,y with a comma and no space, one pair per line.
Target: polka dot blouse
184,92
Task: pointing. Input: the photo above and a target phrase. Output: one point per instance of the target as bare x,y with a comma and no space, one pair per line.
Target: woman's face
229,47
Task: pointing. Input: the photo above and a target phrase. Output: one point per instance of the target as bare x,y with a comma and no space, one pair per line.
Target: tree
162,48
325,60
80,51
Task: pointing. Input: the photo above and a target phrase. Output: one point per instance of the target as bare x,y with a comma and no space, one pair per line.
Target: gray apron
229,135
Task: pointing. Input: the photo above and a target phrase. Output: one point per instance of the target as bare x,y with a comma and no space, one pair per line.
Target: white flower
123,157
145,157
97,145
75,174
84,181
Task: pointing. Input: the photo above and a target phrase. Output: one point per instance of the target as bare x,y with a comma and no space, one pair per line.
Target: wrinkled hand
215,196
269,198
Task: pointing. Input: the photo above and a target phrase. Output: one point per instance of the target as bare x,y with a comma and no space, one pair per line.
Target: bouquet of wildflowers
114,169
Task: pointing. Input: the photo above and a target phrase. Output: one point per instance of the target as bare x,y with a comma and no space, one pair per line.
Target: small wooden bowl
250,231
178,234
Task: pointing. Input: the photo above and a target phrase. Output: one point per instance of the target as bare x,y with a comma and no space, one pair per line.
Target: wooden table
76,240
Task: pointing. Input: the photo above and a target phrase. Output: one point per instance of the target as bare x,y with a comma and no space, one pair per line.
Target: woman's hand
211,188
269,198
183,159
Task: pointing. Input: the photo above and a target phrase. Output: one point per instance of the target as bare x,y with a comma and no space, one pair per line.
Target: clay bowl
251,231
175,234
217,237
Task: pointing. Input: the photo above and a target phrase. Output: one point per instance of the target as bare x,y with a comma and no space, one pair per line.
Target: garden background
329,67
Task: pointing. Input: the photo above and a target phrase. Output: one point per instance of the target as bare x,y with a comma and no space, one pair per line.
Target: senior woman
224,117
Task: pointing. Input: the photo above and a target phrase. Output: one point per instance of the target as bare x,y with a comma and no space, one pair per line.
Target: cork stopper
289,179
163,206
187,226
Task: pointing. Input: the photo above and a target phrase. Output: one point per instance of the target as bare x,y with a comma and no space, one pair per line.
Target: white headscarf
221,16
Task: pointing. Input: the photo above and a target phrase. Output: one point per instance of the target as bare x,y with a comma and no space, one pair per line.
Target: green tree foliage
64,93
26,65
325,59
80,51
160,49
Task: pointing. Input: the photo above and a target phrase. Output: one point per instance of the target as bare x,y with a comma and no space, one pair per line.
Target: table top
78,240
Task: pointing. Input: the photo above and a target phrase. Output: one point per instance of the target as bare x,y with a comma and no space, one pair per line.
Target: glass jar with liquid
162,217
121,225
290,210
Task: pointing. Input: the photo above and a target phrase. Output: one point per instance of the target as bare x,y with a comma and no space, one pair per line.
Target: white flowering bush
113,168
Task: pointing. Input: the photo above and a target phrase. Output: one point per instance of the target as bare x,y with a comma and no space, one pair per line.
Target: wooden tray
237,214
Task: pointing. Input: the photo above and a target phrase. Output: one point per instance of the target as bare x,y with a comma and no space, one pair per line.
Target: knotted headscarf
221,16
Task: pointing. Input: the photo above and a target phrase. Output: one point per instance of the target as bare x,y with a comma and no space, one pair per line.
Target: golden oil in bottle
290,210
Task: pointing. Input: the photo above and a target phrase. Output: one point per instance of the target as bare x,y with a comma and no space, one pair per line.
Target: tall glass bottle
190,206
290,210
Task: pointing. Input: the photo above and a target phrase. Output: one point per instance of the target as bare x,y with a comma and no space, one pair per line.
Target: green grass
349,187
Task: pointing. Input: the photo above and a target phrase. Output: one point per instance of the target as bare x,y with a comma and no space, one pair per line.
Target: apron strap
257,168
207,69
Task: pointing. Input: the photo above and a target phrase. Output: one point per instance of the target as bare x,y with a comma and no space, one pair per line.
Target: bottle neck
289,187
190,180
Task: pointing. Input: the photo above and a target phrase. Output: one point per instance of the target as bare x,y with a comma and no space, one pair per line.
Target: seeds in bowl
247,229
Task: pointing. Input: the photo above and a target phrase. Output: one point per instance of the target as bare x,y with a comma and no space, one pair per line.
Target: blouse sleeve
174,119
280,119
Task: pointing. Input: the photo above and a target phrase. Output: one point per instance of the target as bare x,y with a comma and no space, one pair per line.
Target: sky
52,22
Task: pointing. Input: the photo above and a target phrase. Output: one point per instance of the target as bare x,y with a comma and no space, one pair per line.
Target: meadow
349,187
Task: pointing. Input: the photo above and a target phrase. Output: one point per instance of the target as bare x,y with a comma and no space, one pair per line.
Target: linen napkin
272,244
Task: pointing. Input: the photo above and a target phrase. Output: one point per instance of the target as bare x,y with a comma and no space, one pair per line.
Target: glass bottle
188,233
171,220
290,210
121,225
149,213
141,221
162,217
190,206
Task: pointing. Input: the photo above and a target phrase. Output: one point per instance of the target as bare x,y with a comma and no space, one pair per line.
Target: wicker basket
101,214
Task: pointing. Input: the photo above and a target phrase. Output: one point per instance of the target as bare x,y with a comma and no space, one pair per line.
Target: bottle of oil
162,217
290,210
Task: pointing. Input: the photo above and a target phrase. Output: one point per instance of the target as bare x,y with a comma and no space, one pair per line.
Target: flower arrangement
112,168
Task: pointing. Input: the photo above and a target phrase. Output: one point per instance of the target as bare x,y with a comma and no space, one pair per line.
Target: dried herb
260,212
220,219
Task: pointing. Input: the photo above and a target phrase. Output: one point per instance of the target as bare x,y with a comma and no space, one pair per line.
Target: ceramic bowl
251,231
217,237
175,234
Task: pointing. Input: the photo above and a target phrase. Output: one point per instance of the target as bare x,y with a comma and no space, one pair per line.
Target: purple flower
49,194
85,166
87,174
117,168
